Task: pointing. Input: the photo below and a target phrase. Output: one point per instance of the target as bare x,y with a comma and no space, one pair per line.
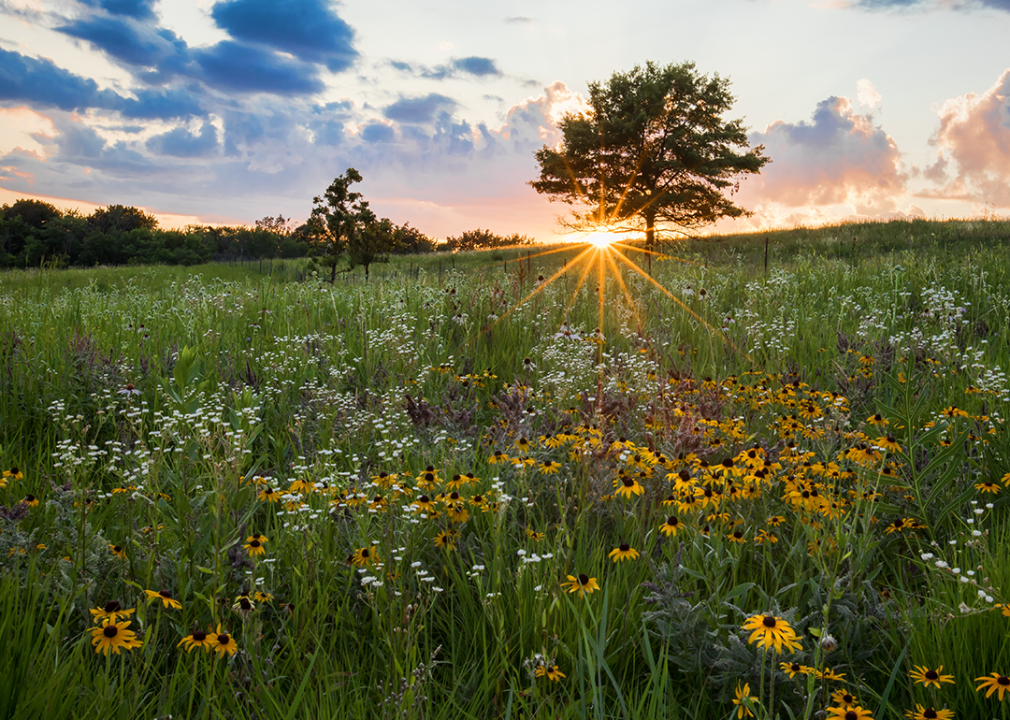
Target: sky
204,111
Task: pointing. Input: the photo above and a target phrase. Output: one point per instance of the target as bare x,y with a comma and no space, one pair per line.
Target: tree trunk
650,231
333,273
366,272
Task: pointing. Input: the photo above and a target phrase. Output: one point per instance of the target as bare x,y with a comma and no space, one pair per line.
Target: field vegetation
756,476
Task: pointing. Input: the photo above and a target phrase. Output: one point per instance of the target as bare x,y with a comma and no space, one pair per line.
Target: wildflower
628,486
670,527
877,420
849,713
259,537
446,540
262,596
844,698
922,674
924,713
763,536
550,672
423,504
197,638
583,584
268,494
118,550
222,642
112,610
794,668
742,697
166,599
772,631
623,552
243,605
829,674
363,556
254,547
549,467
996,683
14,473
534,535
888,442
737,537
31,501
114,636
988,487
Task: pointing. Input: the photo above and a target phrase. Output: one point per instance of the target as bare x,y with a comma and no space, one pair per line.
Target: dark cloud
140,9
132,43
417,110
308,29
378,132
243,68
182,143
41,82
963,5
474,65
164,104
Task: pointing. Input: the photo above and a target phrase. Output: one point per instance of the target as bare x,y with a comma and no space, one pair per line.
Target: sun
601,238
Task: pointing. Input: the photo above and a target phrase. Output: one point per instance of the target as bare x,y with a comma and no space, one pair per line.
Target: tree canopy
653,151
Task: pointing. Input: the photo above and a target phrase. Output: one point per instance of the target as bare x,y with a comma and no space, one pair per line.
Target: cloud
182,143
839,158
40,81
139,9
132,43
474,65
974,133
378,132
867,94
308,29
518,20
962,5
244,68
418,110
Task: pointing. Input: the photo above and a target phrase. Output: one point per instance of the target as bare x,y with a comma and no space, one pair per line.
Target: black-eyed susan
259,537
772,631
112,610
925,676
118,550
31,501
14,473
877,420
844,698
549,671
534,535
166,599
423,504
743,700
849,713
196,639
993,683
988,487
623,552
243,605
268,494
736,536
627,486
445,540
254,547
792,669
364,556
583,584
114,636
929,713
830,675
888,442
222,642
549,467
671,526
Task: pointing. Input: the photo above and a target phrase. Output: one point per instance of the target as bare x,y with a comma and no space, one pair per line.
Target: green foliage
653,151
484,240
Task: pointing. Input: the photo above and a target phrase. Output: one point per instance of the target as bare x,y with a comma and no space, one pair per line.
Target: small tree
121,218
337,217
652,151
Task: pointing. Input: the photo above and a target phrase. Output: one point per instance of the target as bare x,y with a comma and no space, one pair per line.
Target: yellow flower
166,599
922,674
118,550
849,713
995,684
446,540
829,674
364,556
924,713
741,700
583,584
254,547
268,494
844,698
670,527
794,668
550,672
114,636
221,642
111,611
197,638
772,631
628,486
623,552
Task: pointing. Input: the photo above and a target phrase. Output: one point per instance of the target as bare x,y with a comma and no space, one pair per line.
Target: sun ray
624,288
582,280
539,288
677,300
618,243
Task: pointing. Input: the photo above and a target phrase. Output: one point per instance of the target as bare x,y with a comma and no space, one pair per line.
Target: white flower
941,564
927,556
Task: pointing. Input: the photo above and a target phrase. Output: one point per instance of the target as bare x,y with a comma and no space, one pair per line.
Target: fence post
766,256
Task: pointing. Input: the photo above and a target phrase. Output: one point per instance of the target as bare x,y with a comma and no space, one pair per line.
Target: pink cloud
974,133
839,158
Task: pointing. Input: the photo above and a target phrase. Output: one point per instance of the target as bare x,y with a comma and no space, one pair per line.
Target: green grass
140,403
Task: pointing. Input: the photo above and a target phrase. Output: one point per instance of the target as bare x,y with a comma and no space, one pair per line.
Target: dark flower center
737,534
245,604
255,544
424,499
454,496
584,580
1003,680
165,594
110,631
430,468
795,667
199,635
628,482
223,639
430,477
672,520
624,547
932,675
929,713
768,621
112,606
117,548
848,699
365,553
29,498
851,715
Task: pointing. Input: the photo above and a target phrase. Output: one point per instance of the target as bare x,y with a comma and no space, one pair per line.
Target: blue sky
231,110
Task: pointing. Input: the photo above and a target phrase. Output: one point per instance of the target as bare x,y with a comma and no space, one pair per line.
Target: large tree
338,216
653,151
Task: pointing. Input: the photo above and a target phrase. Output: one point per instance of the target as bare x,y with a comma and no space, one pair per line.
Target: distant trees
483,240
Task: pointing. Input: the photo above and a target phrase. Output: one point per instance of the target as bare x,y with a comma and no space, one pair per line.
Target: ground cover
507,485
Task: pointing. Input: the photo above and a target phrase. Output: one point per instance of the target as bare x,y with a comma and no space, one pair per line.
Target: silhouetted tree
337,217
652,151
121,218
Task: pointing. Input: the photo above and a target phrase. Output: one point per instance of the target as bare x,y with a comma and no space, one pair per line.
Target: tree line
34,233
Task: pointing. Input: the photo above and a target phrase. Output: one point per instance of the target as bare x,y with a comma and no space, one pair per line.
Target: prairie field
753,476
